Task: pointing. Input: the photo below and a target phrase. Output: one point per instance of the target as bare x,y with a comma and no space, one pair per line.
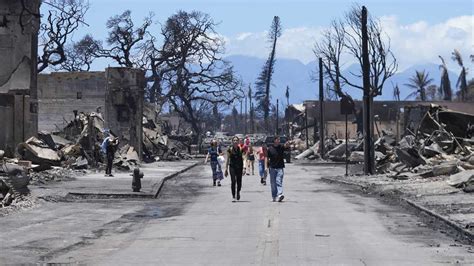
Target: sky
419,30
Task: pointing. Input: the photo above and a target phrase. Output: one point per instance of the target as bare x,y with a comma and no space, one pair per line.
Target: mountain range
296,75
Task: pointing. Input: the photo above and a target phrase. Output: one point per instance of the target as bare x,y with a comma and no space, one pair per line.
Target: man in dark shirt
275,163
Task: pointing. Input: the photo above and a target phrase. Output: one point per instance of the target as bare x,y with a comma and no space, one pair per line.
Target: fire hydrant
136,180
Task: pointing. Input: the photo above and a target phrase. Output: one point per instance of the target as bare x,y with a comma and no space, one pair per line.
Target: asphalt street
194,223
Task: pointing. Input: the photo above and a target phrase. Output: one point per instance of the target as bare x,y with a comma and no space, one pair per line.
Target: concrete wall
17,45
18,53
124,105
60,93
119,92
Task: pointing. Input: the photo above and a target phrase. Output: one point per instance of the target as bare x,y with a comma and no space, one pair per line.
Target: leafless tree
126,42
62,19
331,94
344,37
192,70
80,55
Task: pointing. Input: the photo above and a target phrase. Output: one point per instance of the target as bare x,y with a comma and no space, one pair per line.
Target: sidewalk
432,196
120,185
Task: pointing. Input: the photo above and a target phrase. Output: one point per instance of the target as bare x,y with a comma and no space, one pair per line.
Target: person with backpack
235,164
109,147
214,152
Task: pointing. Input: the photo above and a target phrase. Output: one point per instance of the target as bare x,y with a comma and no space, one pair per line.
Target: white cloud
414,43
294,43
420,42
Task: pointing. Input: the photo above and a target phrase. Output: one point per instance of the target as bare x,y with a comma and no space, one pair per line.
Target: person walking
235,164
250,155
275,163
262,155
214,152
109,146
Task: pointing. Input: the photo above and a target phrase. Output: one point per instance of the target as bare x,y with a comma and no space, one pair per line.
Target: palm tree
445,86
462,81
396,93
419,82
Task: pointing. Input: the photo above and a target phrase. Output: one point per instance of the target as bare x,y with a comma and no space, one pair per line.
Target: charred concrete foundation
18,49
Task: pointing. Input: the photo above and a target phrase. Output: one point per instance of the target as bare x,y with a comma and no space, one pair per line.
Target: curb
151,195
171,176
296,162
464,233
109,195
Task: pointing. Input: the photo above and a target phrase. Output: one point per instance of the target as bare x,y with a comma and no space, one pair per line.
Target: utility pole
369,163
287,110
306,125
245,122
321,109
241,105
276,129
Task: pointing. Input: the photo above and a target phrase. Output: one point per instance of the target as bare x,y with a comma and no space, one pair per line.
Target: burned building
116,93
124,100
19,26
61,93
394,116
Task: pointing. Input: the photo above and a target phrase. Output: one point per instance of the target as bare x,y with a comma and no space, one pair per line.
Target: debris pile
14,181
442,145
53,175
159,146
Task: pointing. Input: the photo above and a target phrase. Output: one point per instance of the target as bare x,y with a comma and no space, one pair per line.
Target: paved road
193,223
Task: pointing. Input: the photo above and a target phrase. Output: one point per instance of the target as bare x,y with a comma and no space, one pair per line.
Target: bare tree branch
57,28
344,37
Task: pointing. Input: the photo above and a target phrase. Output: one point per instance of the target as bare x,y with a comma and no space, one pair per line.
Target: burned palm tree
419,82
462,81
445,86
396,93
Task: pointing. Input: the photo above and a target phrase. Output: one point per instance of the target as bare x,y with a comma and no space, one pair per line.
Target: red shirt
262,153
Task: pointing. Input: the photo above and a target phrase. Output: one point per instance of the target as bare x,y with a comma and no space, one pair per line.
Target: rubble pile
77,146
53,175
14,181
159,146
442,145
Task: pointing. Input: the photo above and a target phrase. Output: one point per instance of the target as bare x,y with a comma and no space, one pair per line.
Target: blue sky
420,30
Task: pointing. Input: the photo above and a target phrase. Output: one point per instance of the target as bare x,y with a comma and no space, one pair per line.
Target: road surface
193,223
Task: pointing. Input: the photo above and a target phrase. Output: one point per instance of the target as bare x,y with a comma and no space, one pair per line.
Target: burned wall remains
124,105
390,115
19,26
60,93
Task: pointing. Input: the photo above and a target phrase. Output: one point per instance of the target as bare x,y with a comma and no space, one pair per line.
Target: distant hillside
296,75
